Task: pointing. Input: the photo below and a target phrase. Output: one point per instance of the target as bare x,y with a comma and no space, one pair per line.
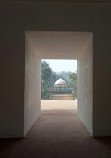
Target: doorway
58,45
58,84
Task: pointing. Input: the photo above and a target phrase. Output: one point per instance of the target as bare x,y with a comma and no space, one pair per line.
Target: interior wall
32,104
16,18
85,86
102,79
12,48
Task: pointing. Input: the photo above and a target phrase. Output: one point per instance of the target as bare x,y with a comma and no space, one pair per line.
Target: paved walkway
58,104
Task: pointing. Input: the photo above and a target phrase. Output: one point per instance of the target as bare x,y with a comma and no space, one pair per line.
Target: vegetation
73,83
46,74
49,77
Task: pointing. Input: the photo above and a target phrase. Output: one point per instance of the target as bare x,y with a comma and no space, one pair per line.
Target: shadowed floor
57,134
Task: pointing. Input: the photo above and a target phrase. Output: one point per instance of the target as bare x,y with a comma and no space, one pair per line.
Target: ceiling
61,45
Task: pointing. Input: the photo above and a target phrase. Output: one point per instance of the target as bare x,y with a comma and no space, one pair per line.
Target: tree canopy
73,82
45,71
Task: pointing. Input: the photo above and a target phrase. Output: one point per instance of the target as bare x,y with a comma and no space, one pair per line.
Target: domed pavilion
61,91
60,83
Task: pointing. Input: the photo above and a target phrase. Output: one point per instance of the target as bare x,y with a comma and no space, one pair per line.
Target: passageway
57,134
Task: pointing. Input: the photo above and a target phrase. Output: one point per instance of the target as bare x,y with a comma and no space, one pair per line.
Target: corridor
56,134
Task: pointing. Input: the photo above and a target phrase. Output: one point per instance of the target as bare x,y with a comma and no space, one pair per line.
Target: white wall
85,86
32,105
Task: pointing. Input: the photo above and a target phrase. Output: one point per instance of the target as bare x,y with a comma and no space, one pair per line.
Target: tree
46,73
73,83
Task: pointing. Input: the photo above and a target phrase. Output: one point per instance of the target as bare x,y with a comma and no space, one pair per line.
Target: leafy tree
73,83
46,73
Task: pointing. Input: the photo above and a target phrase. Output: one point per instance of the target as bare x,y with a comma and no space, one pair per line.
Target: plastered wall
85,86
15,19
32,98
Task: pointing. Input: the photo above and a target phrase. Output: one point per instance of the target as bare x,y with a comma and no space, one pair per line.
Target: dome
60,83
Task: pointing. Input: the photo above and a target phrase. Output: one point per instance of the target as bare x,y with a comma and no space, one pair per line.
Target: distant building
60,87
60,91
60,83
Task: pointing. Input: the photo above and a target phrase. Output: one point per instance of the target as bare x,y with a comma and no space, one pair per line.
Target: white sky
62,65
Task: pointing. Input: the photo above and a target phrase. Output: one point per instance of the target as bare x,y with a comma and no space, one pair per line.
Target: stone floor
58,104
57,134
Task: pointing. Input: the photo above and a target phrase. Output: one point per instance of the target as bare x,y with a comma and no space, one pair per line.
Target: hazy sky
62,65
